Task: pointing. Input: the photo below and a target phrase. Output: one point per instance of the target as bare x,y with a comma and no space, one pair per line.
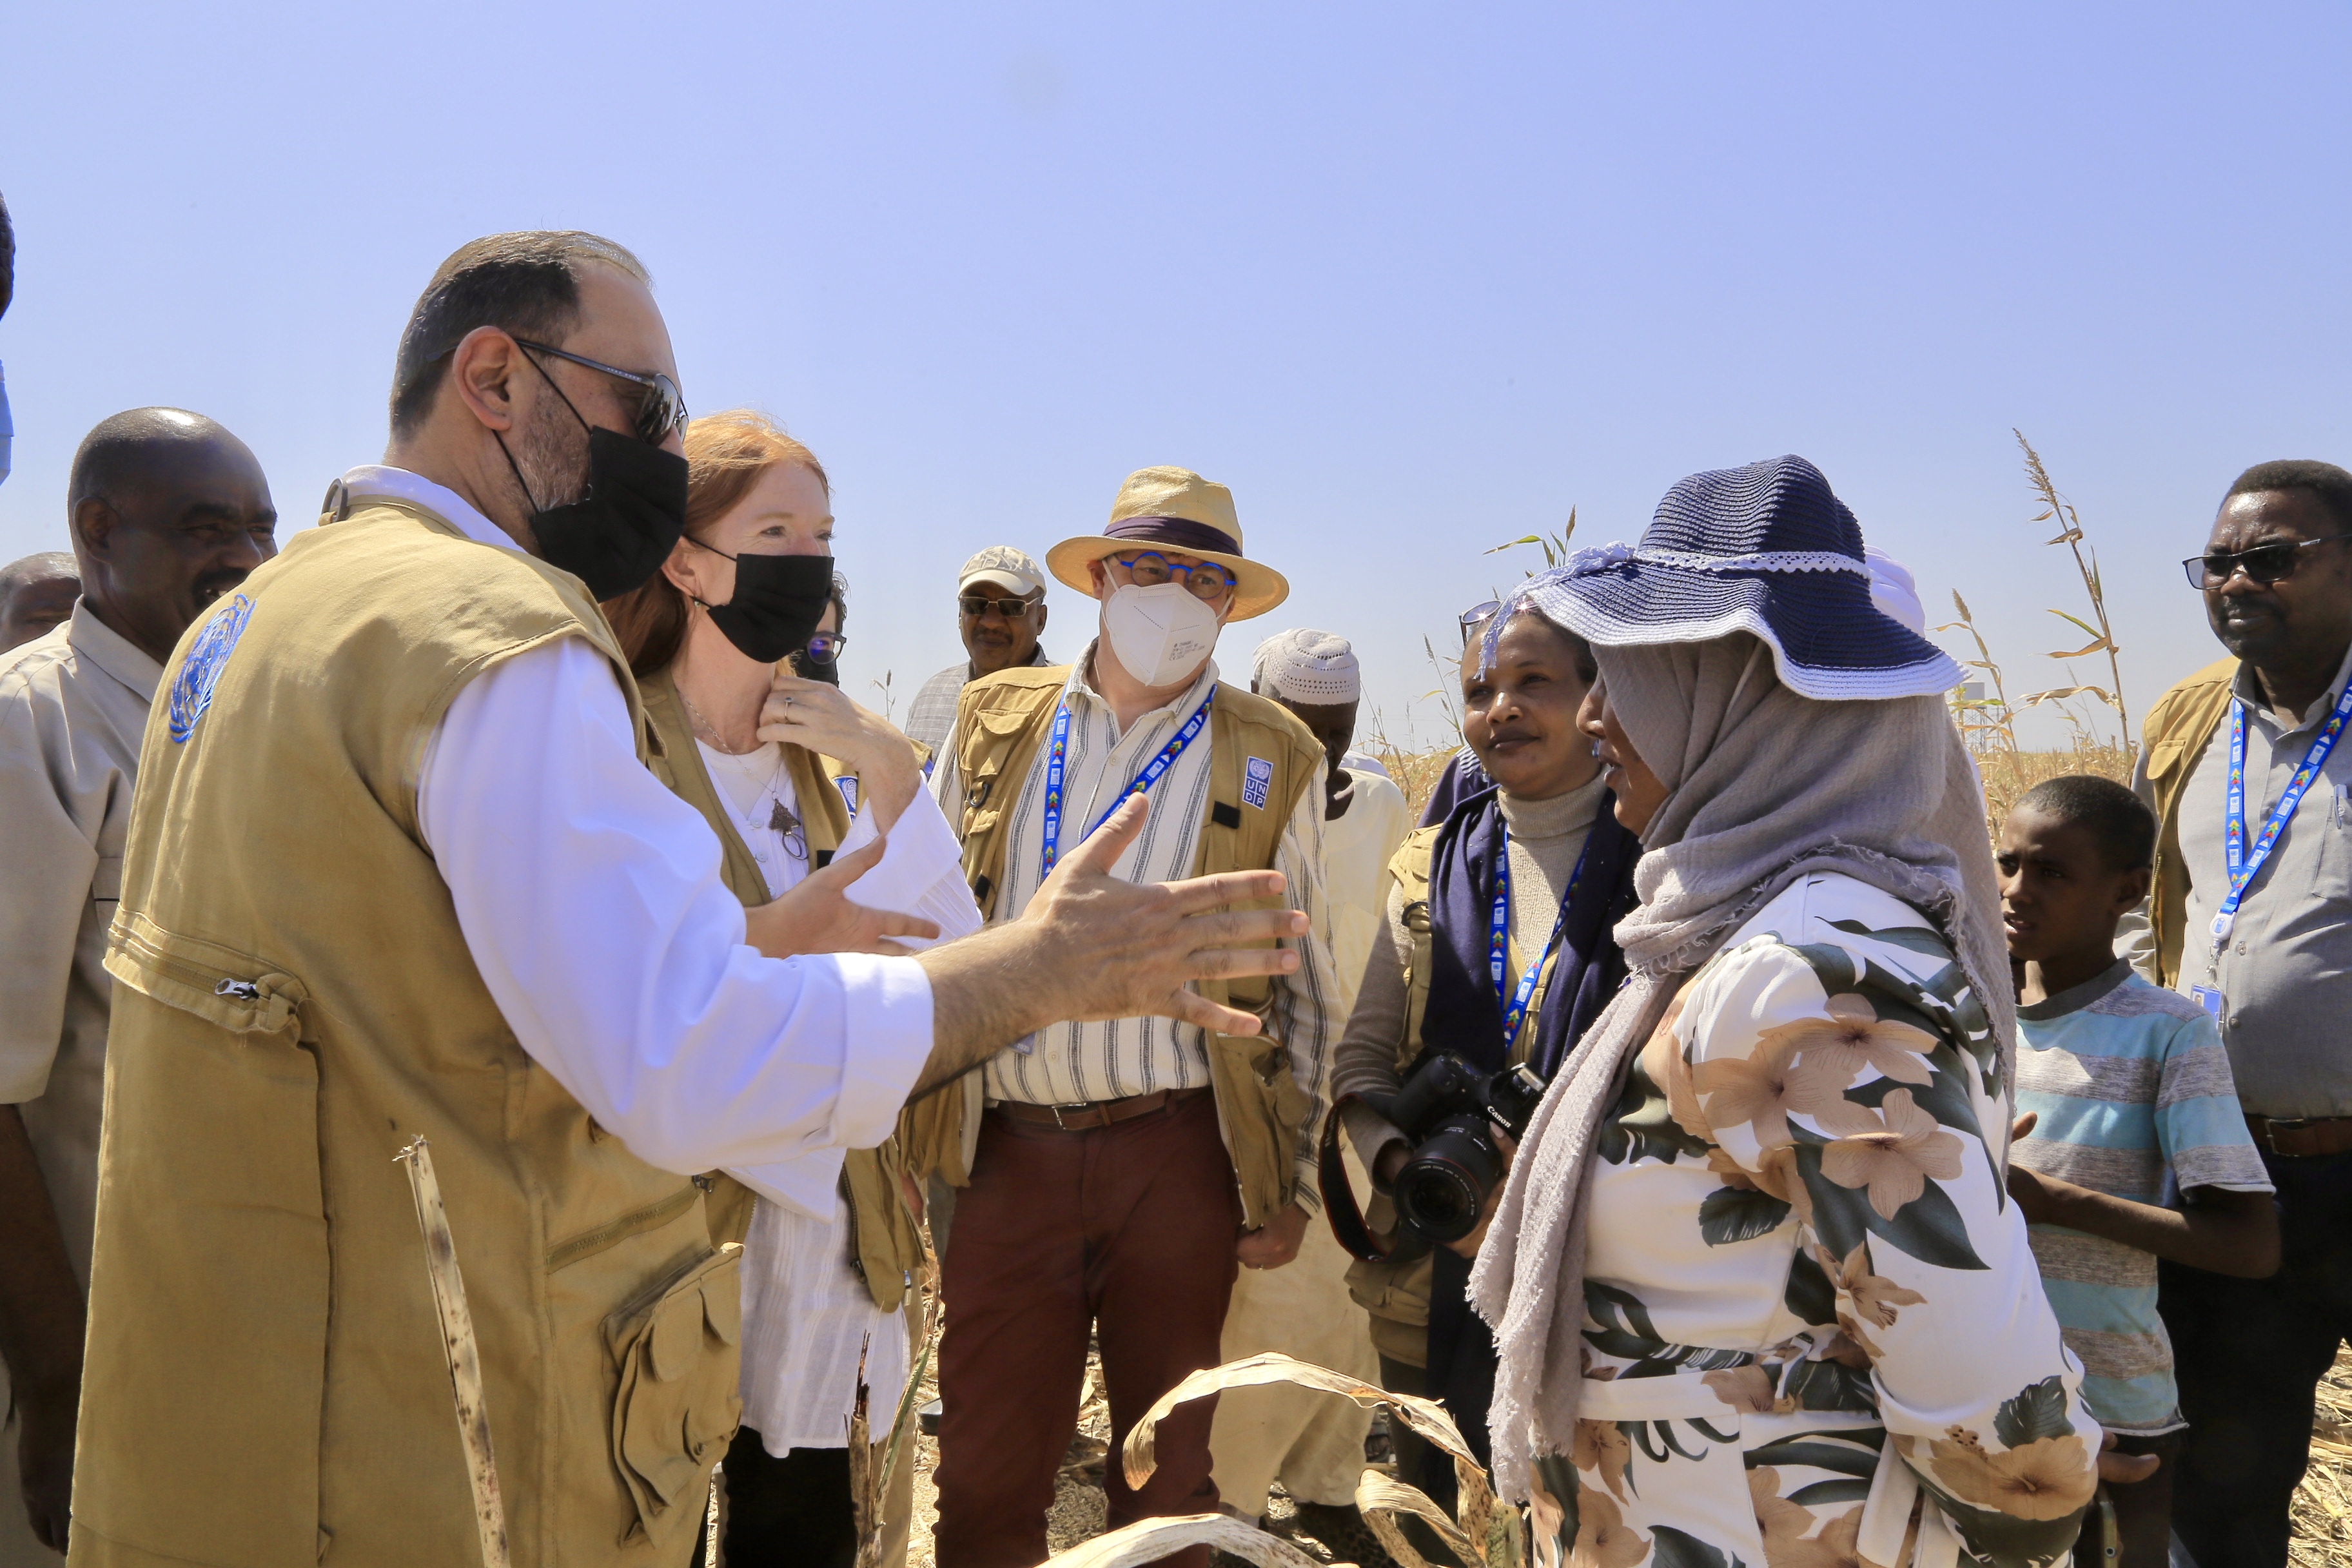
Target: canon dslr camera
1452,1111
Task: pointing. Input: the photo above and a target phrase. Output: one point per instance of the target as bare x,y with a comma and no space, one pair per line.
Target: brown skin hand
2294,631
36,606
40,1333
173,537
993,641
1521,714
1638,790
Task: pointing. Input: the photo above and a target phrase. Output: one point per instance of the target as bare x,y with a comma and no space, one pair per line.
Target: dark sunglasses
2263,564
825,646
660,411
1011,609
1477,616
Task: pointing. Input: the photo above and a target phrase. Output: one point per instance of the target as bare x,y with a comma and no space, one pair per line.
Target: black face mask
616,536
779,599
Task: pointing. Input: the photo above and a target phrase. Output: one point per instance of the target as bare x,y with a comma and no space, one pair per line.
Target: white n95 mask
1161,633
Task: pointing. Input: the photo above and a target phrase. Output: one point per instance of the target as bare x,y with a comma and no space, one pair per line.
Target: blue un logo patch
1256,779
192,688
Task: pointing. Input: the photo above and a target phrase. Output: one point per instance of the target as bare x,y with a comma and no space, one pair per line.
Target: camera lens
1441,1189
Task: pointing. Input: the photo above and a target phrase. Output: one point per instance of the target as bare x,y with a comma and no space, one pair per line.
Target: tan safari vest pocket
678,1405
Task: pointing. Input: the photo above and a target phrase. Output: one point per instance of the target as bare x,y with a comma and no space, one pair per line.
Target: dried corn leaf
1139,1459
1150,1540
1379,1498
460,1348
2060,693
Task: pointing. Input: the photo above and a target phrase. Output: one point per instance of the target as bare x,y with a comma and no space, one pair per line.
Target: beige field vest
2173,740
266,1385
890,1248
1396,1291
1002,721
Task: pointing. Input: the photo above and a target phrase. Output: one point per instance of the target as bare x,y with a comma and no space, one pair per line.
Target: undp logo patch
1258,778
192,688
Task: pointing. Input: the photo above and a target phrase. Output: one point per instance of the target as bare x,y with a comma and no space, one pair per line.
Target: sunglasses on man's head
977,606
2263,564
660,410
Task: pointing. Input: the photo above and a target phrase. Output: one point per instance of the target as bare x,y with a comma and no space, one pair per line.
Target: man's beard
550,451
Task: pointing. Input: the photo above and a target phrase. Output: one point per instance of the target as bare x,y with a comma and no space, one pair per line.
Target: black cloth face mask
779,599
616,536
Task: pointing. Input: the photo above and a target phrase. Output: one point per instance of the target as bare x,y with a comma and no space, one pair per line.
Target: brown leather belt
1093,1113
2302,1136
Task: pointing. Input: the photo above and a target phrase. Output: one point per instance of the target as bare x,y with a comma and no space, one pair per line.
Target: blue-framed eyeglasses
1149,569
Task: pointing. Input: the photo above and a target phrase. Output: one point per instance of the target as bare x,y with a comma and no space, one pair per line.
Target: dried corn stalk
1379,1498
461,1350
1494,1532
1150,1540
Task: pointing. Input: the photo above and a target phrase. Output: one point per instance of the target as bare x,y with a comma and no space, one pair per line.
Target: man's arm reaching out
1090,946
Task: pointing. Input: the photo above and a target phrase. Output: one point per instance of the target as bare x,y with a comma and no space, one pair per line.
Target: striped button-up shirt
1068,1063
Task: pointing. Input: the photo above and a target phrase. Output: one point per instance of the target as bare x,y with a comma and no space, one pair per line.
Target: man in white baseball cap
1001,614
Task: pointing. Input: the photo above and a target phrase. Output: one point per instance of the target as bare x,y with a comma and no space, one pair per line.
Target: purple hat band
1195,538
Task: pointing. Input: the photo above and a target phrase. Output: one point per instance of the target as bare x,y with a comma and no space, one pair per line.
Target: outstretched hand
1136,947
1092,946
818,916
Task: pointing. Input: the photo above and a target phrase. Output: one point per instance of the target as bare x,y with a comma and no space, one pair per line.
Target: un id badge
2208,997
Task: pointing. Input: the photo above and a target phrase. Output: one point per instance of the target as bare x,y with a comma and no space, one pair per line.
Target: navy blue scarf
1465,1017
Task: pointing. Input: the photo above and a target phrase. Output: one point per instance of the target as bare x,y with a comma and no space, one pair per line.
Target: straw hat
1173,508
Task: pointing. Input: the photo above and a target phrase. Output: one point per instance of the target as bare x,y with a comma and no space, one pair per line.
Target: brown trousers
1129,1227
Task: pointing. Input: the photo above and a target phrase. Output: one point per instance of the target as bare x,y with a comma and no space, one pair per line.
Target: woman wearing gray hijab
1757,1296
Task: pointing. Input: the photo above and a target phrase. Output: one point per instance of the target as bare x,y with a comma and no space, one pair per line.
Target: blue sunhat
1766,549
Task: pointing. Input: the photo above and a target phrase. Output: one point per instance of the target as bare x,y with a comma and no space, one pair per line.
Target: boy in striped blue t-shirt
2125,1097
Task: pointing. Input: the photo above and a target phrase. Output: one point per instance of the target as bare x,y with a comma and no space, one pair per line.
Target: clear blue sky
1410,280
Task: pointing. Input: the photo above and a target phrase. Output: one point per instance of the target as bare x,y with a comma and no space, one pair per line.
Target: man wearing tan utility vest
396,866
1115,1172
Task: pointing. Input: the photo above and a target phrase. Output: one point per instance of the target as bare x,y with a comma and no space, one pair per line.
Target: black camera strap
1340,1195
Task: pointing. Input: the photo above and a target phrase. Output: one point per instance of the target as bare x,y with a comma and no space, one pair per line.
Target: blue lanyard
1499,937
1158,765
2245,863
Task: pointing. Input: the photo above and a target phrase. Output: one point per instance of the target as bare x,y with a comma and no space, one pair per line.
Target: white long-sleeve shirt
590,899
808,1318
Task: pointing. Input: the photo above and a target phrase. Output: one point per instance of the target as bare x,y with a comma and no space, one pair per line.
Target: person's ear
1097,580
1039,623
483,371
678,567
2131,890
94,519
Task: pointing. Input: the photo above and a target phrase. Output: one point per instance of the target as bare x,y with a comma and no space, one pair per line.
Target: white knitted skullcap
1308,667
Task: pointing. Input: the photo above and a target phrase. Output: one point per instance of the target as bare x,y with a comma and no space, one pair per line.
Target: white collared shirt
1068,1063
591,901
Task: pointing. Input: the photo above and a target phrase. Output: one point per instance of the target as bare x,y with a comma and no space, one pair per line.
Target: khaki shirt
73,706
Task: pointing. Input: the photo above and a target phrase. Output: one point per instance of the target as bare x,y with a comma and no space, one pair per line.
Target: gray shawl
1764,786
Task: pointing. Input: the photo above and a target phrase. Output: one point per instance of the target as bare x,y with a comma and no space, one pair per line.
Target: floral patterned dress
1815,1335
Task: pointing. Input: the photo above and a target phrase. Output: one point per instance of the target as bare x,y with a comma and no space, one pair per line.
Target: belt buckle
1074,1105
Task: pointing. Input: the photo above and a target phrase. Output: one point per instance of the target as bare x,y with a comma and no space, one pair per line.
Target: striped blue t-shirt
2126,1078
